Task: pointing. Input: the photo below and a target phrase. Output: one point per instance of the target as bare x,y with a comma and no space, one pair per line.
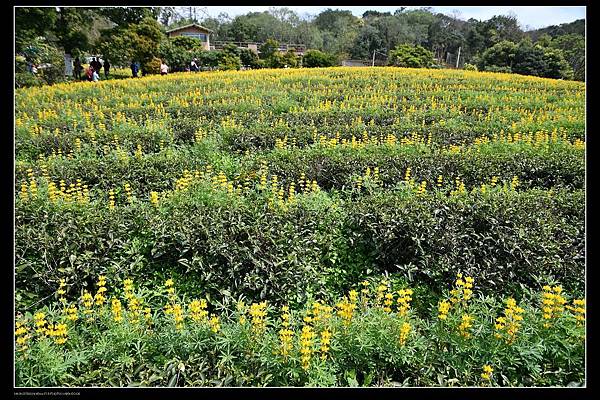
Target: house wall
205,45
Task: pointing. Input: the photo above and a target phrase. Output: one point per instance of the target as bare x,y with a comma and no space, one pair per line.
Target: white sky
528,16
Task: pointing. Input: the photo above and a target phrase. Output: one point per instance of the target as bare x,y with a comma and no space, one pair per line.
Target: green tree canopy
406,55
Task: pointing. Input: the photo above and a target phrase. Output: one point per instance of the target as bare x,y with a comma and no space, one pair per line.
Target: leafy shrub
470,67
27,79
495,68
152,67
249,58
405,55
229,62
316,58
49,59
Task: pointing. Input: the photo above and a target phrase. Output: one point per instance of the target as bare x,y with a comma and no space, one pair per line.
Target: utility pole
373,63
458,57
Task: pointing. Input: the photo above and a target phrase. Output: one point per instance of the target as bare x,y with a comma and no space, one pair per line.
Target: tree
124,16
411,56
275,60
167,15
529,59
179,51
186,42
31,22
556,65
369,39
573,50
139,42
501,54
270,47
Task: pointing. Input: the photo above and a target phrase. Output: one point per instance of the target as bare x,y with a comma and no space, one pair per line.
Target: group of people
92,73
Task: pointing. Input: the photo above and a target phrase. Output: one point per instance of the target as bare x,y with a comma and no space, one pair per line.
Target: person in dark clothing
77,68
134,69
106,68
97,66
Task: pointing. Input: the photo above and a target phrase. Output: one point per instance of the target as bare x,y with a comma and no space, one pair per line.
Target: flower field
322,227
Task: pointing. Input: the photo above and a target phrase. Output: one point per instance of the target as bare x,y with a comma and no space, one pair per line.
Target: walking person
164,69
77,68
134,69
106,68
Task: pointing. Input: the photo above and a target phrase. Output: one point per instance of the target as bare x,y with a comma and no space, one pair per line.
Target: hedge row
218,242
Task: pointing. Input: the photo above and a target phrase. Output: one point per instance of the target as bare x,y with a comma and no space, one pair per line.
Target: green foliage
191,177
573,49
410,56
27,79
228,61
368,345
527,59
139,42
470,67
31,22
268,49
316,58
152,66
249,58
49,59
186,42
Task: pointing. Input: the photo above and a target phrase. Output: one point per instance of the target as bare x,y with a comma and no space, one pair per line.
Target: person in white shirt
163,68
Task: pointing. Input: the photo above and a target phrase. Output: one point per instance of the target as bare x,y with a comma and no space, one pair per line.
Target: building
194,31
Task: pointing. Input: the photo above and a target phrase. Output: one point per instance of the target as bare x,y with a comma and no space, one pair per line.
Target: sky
532,17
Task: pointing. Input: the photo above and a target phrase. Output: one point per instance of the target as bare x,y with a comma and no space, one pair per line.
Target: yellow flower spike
443,309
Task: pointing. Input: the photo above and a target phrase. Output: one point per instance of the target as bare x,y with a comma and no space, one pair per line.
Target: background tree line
125,34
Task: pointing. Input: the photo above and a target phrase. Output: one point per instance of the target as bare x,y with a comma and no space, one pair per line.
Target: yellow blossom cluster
58,332
552,304
72,313
39,319
405,329
61,292
463,290
325,342
403,301
258,313
214,323
285,333
306,343
345,309
197,309
486,375
508,325
578,310
117,310
22,335
443,309
465,325
99,298
88,302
